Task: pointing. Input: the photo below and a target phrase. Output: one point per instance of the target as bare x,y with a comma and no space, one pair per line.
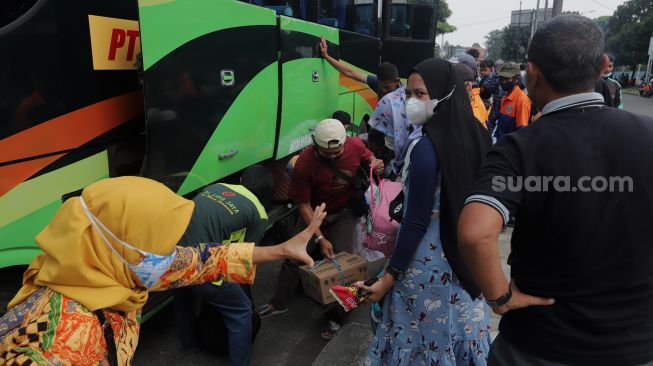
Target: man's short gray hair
568,50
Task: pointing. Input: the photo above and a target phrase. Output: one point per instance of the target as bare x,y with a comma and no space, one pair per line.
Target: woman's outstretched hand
295,248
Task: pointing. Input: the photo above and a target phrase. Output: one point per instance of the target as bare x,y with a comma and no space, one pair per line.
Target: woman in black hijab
434,313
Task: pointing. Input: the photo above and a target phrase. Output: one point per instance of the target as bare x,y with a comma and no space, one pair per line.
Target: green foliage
603,23
494,44
444,13
509,43
629,31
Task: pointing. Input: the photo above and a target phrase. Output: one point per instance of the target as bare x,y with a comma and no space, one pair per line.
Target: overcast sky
476,18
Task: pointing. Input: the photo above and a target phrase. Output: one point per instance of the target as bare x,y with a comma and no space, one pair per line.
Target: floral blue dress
428,319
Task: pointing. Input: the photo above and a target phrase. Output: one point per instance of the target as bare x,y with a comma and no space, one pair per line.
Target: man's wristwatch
317,240
501,300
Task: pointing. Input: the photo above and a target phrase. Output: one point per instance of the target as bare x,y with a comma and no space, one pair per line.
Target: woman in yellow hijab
102,253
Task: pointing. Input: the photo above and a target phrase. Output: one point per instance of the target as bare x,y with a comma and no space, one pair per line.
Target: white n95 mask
419,111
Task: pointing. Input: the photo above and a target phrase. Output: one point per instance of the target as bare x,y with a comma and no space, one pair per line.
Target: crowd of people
581,262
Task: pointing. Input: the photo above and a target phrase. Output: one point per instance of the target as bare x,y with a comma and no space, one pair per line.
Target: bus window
355,15
411,20
399,21
302,9
421,22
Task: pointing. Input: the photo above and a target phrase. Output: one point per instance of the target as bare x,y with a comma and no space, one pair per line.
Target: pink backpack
381,230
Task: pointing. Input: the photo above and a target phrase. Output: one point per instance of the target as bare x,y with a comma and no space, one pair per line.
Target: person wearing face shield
433,312
515,109
385,81
103,252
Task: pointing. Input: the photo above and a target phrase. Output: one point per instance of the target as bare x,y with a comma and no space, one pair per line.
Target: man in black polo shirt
581,288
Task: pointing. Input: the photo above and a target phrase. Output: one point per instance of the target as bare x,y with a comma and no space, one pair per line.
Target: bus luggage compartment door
211,89
309,84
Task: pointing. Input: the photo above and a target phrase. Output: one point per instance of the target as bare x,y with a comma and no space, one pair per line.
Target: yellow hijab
77,263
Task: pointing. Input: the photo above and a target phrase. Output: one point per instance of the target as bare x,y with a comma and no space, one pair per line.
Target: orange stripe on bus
65,132
362,89
72,129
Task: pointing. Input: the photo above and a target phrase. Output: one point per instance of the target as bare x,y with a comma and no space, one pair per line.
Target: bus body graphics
187,93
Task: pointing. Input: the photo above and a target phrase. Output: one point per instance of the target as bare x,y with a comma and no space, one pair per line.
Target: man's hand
326,248
378,166
521,300
324,49
378,289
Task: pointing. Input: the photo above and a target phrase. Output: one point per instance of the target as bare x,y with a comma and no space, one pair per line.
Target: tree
509,43
444,13
603,23
629,30
494,44
476,45
515,43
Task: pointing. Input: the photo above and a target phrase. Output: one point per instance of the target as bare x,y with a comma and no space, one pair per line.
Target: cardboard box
319,279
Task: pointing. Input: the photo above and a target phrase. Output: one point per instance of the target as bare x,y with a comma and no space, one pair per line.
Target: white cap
330,133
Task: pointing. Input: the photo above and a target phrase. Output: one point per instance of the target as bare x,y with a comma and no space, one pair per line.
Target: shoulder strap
406,167
340,173
112,351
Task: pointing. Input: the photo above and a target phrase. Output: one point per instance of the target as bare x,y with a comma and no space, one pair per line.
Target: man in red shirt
314,181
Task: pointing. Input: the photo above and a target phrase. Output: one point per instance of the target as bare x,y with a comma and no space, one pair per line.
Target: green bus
184,92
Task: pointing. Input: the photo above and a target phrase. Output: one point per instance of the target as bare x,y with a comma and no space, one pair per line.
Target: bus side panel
211,85
360,50
68,92
309,84
27,208
364,105
406,54
346,103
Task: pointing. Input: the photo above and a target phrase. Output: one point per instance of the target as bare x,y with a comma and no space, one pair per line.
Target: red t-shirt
314,182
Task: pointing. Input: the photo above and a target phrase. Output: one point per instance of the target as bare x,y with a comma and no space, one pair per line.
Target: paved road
638,104
288,339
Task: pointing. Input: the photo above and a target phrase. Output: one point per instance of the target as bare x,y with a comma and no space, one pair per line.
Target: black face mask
329,161
507,87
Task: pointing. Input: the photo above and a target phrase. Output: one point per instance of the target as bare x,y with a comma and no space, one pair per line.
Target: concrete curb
630,91
348,346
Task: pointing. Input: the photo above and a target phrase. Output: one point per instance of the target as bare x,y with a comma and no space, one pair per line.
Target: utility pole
533,24
557,8
537,17
518,30
546,10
